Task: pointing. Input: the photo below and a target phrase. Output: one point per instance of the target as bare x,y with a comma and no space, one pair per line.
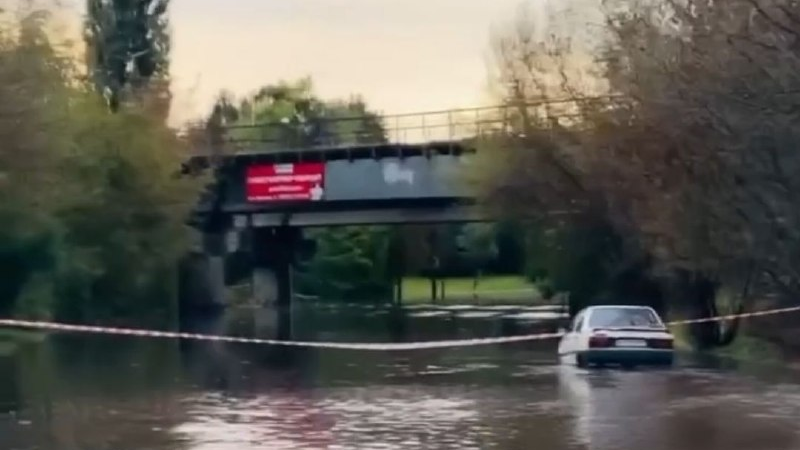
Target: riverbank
490,290
748,347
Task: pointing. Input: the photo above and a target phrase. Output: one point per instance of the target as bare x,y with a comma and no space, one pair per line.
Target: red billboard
285,182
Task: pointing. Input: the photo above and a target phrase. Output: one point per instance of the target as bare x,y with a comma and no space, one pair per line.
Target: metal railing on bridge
454,125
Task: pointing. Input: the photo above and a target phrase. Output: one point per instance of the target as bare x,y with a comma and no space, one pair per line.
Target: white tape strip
767,312
52,326
328,345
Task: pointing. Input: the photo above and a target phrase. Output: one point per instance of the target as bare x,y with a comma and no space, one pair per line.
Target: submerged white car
616,335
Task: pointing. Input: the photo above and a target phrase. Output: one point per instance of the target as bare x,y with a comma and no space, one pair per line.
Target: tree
128,44
581,258
289,114
123,233
351,264
684,155
31,73
538,170
707,132
92,214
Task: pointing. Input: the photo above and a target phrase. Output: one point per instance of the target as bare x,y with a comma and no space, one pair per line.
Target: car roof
619,306
596,307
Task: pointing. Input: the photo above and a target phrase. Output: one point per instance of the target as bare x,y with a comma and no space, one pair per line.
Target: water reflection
613,408
679,409
90,392
9,388
280,419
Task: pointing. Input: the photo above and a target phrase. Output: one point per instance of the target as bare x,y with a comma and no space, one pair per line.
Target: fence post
450,131
477,122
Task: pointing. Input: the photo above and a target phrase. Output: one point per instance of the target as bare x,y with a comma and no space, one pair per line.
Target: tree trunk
398,291
701,293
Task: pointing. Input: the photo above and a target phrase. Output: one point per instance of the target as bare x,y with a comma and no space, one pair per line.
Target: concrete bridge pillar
273,256
215,249
201,276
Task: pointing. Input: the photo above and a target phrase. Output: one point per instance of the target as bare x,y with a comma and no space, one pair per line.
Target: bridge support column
215,249
201,277
273,256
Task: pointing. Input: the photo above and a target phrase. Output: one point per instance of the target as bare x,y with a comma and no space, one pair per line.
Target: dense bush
90,206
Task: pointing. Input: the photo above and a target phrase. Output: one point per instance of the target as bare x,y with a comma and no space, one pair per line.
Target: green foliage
90,207
124,233
30,75
477,245
685,157
289,114
128,43
351,263
577,258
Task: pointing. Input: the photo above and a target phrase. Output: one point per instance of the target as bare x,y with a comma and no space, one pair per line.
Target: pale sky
401,55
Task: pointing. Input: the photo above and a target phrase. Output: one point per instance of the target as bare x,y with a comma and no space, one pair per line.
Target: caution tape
61,327
766,312
51,326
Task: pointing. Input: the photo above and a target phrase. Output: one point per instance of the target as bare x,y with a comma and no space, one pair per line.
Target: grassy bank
490,290
417,290
745,348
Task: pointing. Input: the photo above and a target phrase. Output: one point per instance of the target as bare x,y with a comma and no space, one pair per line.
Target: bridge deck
389,214
371,136
386,169
329,153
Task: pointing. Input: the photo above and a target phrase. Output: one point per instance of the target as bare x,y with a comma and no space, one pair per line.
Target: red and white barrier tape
25,324
766,312
241,340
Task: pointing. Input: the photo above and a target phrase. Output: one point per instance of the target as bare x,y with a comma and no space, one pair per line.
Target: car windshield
623,317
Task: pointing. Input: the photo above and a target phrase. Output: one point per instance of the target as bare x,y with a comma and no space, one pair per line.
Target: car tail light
600,341
660,343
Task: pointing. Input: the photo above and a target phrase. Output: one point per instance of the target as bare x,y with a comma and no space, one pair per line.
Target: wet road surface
89,392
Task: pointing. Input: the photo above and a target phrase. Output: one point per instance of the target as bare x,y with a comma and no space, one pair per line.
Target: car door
572,337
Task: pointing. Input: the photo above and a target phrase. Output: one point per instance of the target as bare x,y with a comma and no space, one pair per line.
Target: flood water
90,393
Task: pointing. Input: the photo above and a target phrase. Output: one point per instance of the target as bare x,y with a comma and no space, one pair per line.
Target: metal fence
370,130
